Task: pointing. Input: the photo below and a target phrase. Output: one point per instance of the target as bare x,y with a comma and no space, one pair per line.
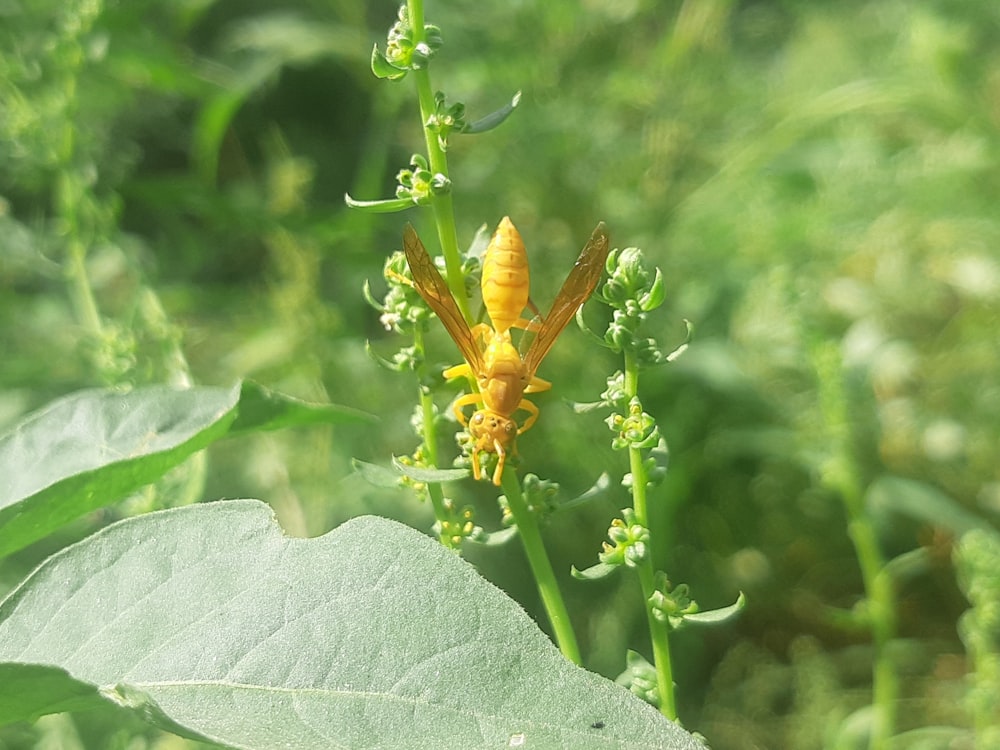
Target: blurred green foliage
803,173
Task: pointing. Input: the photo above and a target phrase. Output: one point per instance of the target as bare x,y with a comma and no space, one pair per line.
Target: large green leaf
94,447
208,620
33,690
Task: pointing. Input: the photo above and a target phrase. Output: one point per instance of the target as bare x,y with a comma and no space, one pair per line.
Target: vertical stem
841,475
658,633
444,218
429,426
444,214
658,636
67,199
634,454
541,568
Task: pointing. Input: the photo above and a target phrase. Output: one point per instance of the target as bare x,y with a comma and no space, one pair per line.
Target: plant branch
841,475
541,568
658,632
444,214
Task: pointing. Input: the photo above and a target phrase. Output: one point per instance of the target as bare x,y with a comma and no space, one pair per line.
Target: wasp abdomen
505,276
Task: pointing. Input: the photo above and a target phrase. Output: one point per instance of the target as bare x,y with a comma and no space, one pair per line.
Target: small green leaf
909,565
375,475
717,616
493,119
429,475
654,297
384,69
208,620
400,362
366,293
594,572
580,407
683,347
599,489
496,538
480,241
385,476
385,206
582,323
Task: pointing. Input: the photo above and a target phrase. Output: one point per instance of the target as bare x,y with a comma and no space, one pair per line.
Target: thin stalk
444,219
429,424
882,616
841,475
541,568
444,214
68,197
658,633
658,636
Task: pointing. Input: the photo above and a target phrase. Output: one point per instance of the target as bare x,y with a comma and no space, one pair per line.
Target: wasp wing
579,285
434,289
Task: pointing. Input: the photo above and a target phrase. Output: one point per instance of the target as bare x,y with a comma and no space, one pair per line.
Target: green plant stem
881,611
658,633
429,424
444,214
444,219
635,454
658,636
69,195
841,475
541,568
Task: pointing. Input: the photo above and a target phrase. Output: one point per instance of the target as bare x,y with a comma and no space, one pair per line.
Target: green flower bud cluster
417,460
977,558
446,119
457,525
640,678
113,352
402,52
539,496
418,185
634,429
409,48
632,293
402,307
402,310
671,605
654,465
417,419
630,541
616,396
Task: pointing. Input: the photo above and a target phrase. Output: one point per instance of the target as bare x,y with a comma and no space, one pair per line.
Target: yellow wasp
502,373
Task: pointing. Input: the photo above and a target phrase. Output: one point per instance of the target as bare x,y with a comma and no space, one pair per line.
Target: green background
804,174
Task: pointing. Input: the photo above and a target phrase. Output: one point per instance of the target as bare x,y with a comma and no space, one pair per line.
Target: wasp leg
461,403
532,326
399,278
477,469
458,371
532,415
537,385
501,460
